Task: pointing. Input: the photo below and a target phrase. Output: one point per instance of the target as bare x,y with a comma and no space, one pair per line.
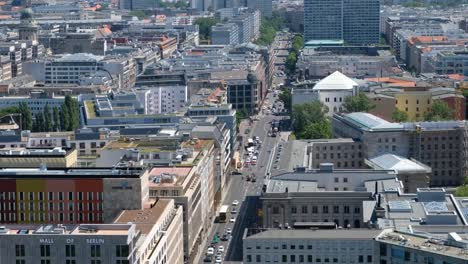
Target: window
70,261
45,261
357,210
369,258
19,251
258,258
314,209
70,250
95,251
304,209
45,250
336,179
346,209
345,179
310,258
301,258
293,246
293,210
249,258
336,209
361,259
275,210
121,251
292,258
284,258
325,209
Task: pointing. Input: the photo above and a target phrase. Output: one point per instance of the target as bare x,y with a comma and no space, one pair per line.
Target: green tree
26,116
286,97
358,103
8,111
39,123
47,119
240,115
70,117
268,28
291,61
205,24
297,43
462,191
305,114
56,117
399,116
321,129
440,110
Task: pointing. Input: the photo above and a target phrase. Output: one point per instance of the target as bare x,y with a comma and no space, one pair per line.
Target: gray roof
354,234
368,121
398,163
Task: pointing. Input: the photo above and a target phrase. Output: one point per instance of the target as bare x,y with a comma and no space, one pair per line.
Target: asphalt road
246,192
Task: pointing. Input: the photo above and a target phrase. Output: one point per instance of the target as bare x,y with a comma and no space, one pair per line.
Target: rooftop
371,122
341,234
72,173
398,163
144,219
336,81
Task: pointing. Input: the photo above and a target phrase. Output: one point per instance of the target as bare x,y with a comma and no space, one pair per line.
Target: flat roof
398,163
85,172
144,219
335,234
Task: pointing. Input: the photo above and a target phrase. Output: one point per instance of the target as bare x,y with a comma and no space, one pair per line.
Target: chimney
376,191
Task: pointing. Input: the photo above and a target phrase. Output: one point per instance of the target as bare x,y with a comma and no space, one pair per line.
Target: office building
151,235
71,195
225,34
34,158
439,145
163,99
355,22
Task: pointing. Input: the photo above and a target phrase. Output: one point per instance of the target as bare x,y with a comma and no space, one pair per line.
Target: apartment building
151,235
71,195
439,145
163,99
36,102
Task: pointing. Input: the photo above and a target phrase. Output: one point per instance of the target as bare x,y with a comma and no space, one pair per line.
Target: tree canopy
310,122
440,110
358,103
268,28
399,116
286,97
205,24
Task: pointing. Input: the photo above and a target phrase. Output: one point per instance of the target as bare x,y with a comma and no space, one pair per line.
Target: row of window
338,155
121,251
52,206
305,209
301,259
41,196
52,217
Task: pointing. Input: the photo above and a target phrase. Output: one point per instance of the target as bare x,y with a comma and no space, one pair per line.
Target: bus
223,214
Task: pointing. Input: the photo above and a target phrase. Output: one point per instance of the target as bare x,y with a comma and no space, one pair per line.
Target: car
207,259
235,203
233,220
225,237
228,230
221,249
233,211
219,260
210,251
254,179
219,254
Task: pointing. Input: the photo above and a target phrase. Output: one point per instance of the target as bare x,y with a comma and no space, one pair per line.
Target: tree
399,116
8,111
358,103
26,116
240,115
440,110
291,61
47,119
39,123
70,117
462,191
286,97
321,129
205,24
305,114
56,118
297,43
268,28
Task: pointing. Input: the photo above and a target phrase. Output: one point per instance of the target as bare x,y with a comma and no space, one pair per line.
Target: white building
331,91
163,99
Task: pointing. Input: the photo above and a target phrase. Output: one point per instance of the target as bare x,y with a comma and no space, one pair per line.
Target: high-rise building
265,6
354,21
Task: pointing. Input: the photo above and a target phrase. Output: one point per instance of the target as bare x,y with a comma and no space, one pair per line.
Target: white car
235,203
232,220
221,249
210,251
219,260
228,230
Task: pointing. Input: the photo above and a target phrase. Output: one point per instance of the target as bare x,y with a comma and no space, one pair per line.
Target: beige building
191,185
34,158
160,229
